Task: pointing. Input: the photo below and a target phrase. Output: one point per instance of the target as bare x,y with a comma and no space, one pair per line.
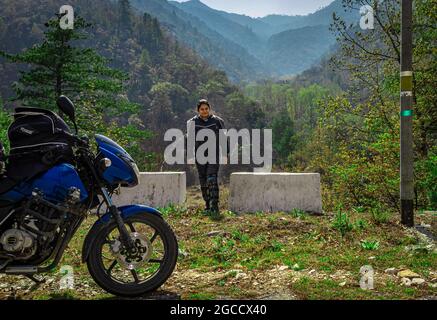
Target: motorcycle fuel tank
55,184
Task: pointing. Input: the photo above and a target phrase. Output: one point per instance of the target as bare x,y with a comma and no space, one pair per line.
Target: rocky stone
279,296
233,272
241,275
406,282
216,233
282,268
417,281
407,273
392,271
296,267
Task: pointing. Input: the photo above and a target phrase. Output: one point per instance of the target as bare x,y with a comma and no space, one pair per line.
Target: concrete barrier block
252,192
156,189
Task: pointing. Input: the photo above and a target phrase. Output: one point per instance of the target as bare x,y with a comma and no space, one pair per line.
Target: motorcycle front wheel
134,272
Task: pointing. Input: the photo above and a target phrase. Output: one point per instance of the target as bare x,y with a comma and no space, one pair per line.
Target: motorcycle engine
19,243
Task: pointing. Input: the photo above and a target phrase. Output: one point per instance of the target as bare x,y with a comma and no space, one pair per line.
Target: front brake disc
134,258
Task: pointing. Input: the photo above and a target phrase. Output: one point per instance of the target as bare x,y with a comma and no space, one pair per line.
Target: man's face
204,110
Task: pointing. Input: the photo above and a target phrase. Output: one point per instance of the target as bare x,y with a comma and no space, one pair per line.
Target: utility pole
407,156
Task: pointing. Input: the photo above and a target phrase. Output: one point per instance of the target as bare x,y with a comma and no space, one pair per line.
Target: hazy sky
260,8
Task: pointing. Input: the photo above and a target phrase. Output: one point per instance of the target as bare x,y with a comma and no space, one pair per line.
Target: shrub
369,244
342,223
379,215
297,213
360,224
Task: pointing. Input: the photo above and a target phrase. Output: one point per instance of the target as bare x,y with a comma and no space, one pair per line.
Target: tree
283,142
58,66
5,120
243,112
150,34
124,16
361,128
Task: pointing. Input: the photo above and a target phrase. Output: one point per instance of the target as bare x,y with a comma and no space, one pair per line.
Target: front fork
125,238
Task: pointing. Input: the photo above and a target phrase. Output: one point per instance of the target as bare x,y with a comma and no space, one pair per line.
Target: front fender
126,211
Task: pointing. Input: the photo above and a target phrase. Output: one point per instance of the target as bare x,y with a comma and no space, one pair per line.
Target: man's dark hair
202,101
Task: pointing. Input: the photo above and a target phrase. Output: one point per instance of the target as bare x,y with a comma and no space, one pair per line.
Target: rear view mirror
67,107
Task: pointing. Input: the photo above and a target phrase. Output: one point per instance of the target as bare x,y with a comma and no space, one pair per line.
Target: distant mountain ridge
250,48
218,21
322,16
208,43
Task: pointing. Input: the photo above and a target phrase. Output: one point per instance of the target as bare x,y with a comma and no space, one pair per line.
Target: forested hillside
280,23
299,49
163,79
197,34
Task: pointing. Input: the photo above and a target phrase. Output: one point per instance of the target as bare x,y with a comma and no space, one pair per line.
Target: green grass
201,296
297,213
257,243
370,244
328,289
342,223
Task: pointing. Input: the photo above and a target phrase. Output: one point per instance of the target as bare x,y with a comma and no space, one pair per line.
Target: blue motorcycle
52,181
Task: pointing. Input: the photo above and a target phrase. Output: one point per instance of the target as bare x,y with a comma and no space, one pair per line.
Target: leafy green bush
172,210
426,182
297,213
342,223
240,236
360,224
379,215
370,244
5,121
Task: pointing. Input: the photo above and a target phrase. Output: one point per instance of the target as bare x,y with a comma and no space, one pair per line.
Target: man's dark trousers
208,177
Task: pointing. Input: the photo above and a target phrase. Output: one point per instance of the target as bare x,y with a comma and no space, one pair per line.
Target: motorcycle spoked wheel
127,274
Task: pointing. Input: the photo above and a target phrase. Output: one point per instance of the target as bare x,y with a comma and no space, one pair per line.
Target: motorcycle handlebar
80,141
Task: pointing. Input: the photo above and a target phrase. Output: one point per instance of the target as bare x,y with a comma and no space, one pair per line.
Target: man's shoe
215,212
215,215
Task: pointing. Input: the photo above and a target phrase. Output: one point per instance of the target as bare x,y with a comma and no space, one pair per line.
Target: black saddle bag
38,142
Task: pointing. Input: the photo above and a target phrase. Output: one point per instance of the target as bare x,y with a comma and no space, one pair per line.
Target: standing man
208,173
